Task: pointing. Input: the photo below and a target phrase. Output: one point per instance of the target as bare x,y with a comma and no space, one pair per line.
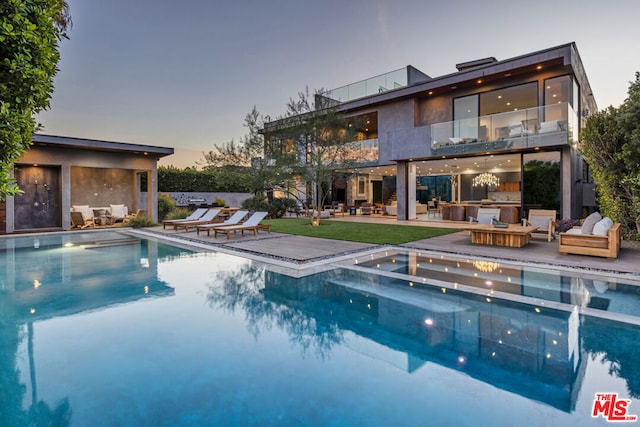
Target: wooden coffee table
514,236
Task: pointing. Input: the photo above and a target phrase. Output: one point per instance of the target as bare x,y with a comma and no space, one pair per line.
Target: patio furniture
485,216
212,215
78,221
103,217
544,219
233,220
253,223
118,212
605,245
194,216
365,208
513,236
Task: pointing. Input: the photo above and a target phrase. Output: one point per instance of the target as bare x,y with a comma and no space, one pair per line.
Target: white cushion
550,126
87,213
515,124
541,223
484,218
456,140
602,227
574,231
590,222
118,211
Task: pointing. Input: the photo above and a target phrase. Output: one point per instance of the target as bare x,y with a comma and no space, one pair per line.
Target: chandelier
485,178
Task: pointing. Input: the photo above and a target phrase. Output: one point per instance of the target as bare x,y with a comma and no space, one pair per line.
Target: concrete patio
301,250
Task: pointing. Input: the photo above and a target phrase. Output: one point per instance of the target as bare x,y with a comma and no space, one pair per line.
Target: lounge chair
78,221
212,215
233,220
486,216
544,219
253,223
194,216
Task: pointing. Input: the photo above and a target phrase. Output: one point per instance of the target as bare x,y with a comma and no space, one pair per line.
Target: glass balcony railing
382,83
534,127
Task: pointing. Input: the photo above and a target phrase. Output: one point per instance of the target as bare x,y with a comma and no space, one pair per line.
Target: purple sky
184,74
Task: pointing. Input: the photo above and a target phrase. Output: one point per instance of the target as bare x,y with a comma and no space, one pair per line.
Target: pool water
109,329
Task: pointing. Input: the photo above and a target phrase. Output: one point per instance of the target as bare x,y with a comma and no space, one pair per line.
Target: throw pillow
590,222
86,212
602,227
117,211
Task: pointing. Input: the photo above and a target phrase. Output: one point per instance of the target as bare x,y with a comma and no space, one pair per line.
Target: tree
312,143
611,146
247,156
29,34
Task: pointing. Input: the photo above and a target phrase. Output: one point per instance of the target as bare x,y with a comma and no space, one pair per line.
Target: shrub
140,221
165,205
563,225
277,208
220,202
178,213
255,204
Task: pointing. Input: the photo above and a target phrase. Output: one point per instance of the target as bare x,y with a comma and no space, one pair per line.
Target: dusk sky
185,74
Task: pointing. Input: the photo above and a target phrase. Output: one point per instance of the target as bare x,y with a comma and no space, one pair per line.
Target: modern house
60,172
501,132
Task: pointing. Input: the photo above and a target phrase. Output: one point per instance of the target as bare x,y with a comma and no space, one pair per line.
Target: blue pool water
103,329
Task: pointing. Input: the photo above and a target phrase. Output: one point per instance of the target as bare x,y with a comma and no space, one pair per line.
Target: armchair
544,219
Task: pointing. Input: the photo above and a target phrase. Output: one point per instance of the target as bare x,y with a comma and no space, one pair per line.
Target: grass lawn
356,232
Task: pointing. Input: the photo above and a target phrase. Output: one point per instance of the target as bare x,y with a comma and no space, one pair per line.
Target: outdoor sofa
602,239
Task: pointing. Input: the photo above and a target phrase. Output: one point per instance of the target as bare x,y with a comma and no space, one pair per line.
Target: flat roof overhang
98,145
560,56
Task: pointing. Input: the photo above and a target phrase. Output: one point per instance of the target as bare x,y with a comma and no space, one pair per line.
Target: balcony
382,83
551,125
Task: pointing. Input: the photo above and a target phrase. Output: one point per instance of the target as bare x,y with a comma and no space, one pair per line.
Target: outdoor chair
78,221
253,223
194,216
233,220
212,215
544,219
485,216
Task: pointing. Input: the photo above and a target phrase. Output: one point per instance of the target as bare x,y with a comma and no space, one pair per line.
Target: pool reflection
535,352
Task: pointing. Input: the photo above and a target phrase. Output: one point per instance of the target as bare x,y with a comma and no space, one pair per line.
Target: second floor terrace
545,126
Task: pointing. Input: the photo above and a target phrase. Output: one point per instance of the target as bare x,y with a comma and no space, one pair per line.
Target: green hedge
190,180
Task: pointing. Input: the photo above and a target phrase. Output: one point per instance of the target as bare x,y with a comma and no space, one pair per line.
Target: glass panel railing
378,84
533,127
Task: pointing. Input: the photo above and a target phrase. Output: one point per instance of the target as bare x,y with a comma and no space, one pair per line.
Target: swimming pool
105,328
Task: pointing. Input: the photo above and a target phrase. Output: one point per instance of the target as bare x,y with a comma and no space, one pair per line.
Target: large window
465,114
558,91
513,98
541,188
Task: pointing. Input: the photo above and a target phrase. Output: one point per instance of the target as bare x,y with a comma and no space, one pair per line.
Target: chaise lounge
211,216
193,217
252,223
233,220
